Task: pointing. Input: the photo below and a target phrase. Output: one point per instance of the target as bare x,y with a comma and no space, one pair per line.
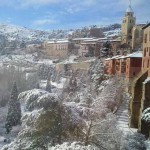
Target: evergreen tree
48,85
14,110
106,50
73,84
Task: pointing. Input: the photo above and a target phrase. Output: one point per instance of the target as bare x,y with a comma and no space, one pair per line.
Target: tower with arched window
128,22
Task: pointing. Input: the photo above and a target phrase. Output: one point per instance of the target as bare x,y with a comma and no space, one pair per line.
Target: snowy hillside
13,32
112,33
18,33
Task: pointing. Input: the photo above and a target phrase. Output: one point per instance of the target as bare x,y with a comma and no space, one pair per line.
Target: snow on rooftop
135,55
58,41
82,39
91,40
115,40
114,57
120,57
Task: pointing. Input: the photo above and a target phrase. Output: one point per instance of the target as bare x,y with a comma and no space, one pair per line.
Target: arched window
148,63
144,52
143,63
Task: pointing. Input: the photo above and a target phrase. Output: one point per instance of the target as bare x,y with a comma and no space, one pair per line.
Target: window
144,52
148,64
143,63
145,38
149,51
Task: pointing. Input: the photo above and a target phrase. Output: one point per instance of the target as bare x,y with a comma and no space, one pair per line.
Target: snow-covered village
71,83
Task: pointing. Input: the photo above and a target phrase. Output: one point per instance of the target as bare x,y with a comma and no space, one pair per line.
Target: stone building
115,46
127,24
137,37
125,66
90,48
57,48
141,87
133,65
131,34
110,65
146,49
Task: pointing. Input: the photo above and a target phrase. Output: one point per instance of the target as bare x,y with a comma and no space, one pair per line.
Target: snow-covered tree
45,70
146,116
96,72
48,85
103,133
72,84
81,114
47,121
14,110
110,96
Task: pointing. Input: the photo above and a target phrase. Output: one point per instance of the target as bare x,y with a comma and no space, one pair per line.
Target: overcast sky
66,14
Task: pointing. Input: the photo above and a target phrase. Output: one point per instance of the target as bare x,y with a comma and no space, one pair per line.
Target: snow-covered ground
24,62
59,85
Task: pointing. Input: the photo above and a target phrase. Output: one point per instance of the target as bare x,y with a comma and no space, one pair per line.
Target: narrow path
122,117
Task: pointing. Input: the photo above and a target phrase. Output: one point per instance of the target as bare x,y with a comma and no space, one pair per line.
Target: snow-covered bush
73,146
146,116
135,142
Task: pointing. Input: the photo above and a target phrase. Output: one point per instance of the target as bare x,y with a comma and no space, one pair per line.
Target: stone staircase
122,117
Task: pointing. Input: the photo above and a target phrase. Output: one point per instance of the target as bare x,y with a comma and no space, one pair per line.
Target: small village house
90,48
133,64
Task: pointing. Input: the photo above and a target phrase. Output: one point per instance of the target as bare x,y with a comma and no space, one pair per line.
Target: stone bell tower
128,22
